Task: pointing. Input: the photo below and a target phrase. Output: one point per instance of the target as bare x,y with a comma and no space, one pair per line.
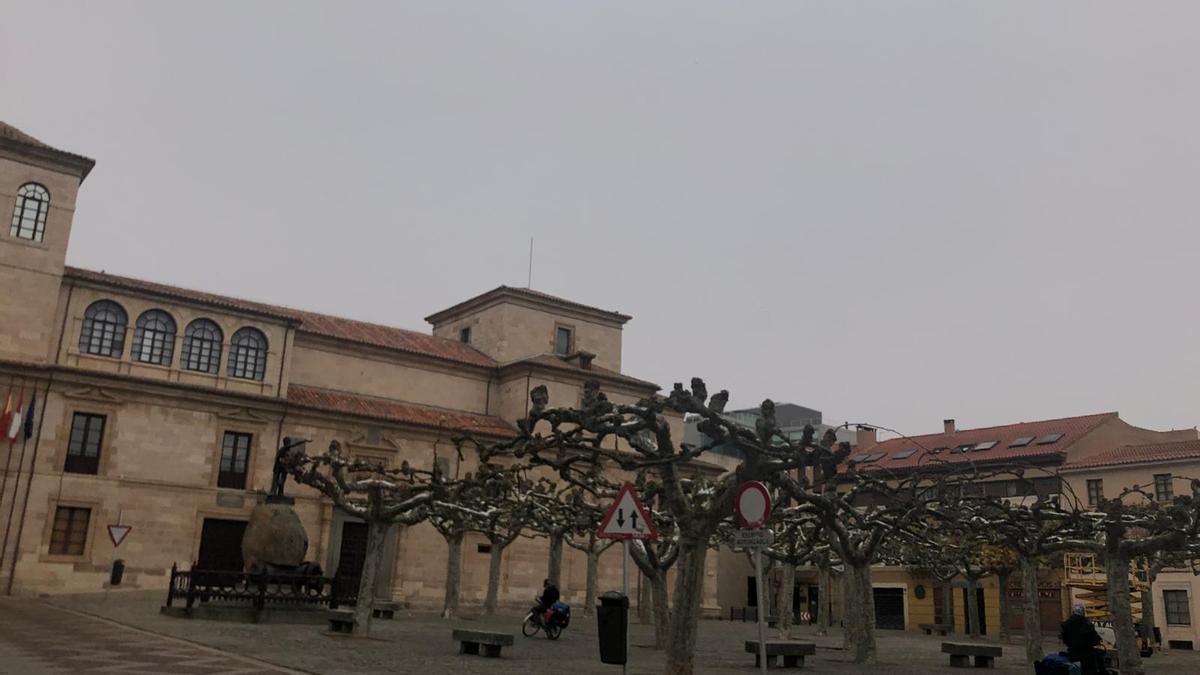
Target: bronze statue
279,472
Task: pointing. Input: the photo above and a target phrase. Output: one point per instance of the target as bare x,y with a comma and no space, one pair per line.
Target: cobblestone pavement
419,642
38,638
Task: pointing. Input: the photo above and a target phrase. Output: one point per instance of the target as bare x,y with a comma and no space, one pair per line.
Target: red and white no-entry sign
752,504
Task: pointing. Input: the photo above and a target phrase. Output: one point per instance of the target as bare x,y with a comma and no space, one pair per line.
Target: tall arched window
202,346
154,338
103,331
248,354
29,218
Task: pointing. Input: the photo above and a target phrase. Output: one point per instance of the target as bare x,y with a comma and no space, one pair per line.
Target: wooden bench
793,653
931,628
470,640
384,610
961,653
341,620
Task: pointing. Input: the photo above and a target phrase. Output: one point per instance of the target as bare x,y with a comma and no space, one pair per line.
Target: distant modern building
790,417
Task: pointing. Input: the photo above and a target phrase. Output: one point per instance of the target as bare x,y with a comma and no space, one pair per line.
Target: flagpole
4,491
12,573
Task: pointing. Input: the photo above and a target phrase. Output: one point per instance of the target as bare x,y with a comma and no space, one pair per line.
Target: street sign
760,538
626,518
117,533
752,504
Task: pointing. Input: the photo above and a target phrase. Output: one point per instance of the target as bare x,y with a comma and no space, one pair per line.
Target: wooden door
353,550
221,545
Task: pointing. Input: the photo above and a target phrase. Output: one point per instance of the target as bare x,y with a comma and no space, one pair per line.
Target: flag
29,414
14,423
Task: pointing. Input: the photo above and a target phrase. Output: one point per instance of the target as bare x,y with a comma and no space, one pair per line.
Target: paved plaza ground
125,633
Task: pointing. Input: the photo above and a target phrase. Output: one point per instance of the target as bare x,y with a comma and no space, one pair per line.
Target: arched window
154,338
202,347
248,354
103,332
29,218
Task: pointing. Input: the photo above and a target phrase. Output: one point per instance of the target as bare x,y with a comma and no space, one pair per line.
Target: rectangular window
464,336
483,548
1095,487
1175,605
83,448
235,454
69,536
562,341
1163,490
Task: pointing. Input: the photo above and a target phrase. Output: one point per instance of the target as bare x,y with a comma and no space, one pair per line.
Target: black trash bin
118,571
612,627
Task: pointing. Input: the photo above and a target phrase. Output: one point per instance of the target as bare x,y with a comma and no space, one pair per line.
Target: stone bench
793,653
340,620
470,640
931,628
961,653
384,610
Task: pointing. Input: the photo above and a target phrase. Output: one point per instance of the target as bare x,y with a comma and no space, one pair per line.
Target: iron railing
259,590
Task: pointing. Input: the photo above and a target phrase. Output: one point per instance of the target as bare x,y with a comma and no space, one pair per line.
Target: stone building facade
159,408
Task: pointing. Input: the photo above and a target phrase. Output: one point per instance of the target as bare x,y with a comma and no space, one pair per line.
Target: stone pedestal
274,536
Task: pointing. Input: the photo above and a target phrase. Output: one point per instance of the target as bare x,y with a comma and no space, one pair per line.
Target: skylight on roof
905,454
873,457
986,445
1021,442
962,448
1049,438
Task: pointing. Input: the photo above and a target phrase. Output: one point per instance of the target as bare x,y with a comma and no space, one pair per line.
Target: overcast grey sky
891,211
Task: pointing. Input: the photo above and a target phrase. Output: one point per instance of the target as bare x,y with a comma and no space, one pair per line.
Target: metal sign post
752,505
625,590
626,519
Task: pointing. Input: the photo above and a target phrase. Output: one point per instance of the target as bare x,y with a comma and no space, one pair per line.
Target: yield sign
626,518
117,533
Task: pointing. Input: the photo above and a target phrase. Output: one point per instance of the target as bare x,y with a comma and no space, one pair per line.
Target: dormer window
464,335
29,218
563,339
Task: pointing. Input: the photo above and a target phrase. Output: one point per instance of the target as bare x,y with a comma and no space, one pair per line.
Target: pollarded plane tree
1129,526
655,558
380,496
556,514
799,541
571,440
507,509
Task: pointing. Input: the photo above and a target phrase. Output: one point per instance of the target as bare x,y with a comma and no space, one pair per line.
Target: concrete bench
470,640
793,653
931,628
384,610
962,652
340,620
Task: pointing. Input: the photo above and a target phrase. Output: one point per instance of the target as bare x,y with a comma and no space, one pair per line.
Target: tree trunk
973,606
453,575
661,609
684,620
824,601
948,604
1002,580
1032,609
787,586
593,564
554,568
372,561
493,587
859,612
1148,607
645,614
1116,569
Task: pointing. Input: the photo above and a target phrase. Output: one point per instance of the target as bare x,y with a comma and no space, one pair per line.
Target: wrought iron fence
259,590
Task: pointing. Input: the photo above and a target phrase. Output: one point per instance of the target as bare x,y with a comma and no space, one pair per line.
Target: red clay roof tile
1138,454
1072,428
395,411
351,330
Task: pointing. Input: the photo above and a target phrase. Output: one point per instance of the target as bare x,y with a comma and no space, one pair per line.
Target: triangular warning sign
626,518
117,533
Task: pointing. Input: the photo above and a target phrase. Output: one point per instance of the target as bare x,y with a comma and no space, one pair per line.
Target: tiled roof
309,322
1139,454
15,135
394,411
1072,428
558,363
483,298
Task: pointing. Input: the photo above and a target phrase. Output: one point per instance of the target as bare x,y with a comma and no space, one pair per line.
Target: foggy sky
895,212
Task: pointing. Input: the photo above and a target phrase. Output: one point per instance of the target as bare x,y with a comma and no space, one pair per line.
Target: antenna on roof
529,281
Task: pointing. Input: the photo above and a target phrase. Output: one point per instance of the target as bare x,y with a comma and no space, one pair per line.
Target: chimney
948,425
865,436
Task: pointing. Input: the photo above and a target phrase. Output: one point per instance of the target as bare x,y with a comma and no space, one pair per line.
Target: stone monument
275,540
